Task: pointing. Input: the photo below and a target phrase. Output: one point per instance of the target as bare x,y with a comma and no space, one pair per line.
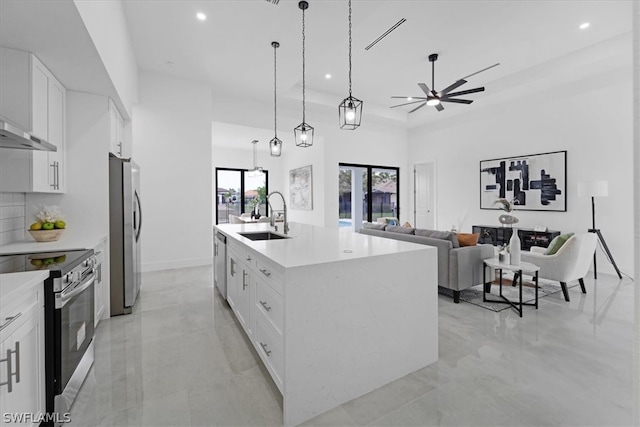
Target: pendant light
350,109
303,132
257,170
275,145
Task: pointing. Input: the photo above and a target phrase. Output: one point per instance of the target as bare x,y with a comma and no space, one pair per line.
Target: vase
514,247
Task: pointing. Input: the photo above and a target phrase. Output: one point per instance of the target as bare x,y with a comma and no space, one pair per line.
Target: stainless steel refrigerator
125,225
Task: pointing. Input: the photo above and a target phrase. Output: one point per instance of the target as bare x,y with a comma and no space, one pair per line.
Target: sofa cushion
399,229
435,234
557,243
374,225
468,239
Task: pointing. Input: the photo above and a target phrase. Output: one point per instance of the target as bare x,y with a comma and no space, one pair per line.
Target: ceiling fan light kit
350,109
436,98
275,145
303,133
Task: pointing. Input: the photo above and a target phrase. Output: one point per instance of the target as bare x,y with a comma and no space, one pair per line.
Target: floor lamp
597,189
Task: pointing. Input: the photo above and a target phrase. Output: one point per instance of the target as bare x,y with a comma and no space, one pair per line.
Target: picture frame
301,188
534,182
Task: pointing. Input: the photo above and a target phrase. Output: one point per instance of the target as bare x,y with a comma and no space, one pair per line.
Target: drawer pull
10,373
265,272
248,258
264,348
244,280
9,320
264,304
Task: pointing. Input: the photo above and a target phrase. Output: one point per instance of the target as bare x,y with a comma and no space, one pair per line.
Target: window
366,193
238,192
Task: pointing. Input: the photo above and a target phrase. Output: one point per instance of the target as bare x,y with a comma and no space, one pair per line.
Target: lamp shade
593,188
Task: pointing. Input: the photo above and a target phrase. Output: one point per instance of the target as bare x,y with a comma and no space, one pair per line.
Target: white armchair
571,262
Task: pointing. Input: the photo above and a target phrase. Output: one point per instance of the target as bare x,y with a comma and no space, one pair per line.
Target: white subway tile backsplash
12,217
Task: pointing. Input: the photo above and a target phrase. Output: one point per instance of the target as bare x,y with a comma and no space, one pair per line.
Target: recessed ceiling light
584,25
201,16
409,98
327,76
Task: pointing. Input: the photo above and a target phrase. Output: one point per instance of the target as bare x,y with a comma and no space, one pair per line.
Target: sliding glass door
239,191
366,193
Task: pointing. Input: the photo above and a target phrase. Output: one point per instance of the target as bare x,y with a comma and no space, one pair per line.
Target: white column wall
171,130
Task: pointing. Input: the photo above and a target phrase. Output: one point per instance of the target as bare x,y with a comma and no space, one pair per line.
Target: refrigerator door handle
137,227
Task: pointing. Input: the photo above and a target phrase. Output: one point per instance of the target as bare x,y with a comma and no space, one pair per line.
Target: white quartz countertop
309,244
13,286
68,242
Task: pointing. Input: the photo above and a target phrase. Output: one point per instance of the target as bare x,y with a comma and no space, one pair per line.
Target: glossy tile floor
181,359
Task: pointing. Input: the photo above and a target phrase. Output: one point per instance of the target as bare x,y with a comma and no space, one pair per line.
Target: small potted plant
49,225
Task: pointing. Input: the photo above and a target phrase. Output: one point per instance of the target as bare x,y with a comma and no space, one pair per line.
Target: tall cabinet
32,98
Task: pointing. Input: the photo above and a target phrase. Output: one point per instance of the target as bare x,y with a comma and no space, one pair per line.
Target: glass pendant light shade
303,132
350,109
275,146
304,135
350,113
257,170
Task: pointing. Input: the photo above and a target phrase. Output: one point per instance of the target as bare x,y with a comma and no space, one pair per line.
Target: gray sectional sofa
458,267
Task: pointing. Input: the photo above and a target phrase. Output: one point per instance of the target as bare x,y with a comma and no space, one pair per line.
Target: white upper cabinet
32,98
117,145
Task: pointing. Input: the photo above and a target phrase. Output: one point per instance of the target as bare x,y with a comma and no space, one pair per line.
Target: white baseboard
173,264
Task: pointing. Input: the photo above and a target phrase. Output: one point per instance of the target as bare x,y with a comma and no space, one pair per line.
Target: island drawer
270,304
271,273
269,344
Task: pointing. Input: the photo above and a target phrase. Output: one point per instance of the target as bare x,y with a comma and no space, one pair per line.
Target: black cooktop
58,263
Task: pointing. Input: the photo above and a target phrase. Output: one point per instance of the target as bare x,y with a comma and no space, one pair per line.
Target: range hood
13,137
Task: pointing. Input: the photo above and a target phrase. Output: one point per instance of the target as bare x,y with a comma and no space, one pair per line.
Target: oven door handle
64,297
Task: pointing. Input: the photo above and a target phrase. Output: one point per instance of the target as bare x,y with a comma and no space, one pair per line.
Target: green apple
60,224
48,226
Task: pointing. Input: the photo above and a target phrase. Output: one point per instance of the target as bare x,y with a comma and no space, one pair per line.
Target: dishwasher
220,263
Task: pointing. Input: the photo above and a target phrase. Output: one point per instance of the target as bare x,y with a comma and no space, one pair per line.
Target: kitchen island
332,314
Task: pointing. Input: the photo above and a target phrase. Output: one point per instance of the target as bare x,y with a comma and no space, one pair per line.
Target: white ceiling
231,50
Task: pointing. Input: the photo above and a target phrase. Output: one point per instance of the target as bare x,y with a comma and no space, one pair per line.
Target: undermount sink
263,235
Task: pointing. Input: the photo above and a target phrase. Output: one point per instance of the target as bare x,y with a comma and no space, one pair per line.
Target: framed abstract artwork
301,188
535,182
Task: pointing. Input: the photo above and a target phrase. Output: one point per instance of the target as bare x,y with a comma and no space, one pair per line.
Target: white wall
171,130
106,23
597,136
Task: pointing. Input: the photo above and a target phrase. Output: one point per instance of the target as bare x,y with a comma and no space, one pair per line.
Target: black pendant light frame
275,145
303,133
350,109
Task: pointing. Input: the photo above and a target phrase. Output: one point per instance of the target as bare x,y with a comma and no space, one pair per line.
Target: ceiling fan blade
465,92
457,101
452,87
407,97
425,88
439,107
408,103
484,69
418,107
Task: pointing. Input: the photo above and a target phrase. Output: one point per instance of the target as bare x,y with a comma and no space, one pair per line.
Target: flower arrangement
505,204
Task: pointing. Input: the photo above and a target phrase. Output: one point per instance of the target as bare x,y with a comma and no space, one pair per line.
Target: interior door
424,213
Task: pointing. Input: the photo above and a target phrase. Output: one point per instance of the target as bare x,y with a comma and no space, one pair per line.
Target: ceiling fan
436,98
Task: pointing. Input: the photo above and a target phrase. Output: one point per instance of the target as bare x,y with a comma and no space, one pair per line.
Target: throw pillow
399,229
557,243
373,225
468,239
407,224
443,235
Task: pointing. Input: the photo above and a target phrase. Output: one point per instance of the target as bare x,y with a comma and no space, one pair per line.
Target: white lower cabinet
22,389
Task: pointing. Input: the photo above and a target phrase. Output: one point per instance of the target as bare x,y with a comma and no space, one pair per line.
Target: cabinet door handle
264,348
53,166
264,304
10,374
233,271
215,249
120,148
9,320
265,272
244,282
